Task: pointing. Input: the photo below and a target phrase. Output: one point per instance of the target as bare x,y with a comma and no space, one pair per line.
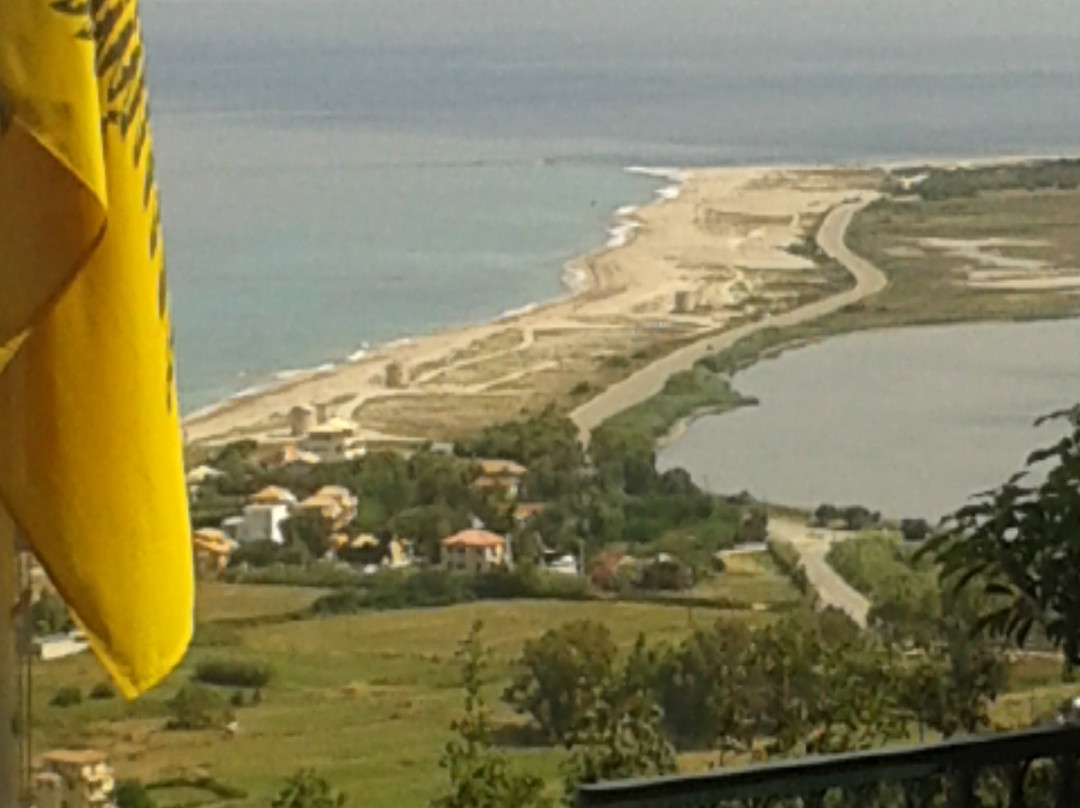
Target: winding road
650,380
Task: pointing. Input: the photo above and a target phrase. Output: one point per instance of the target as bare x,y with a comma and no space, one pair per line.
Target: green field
364,699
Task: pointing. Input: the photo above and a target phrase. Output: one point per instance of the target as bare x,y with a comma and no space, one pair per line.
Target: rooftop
274,495
474,538
75,757
502,468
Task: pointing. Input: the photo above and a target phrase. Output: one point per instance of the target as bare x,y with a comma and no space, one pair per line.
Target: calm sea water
910,422
341,172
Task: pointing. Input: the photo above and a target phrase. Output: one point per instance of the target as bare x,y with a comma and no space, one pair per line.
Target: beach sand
721,248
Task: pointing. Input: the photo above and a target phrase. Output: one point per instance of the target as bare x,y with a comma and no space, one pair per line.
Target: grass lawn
365,699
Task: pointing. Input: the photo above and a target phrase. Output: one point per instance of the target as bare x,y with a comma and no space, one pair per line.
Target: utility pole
9,667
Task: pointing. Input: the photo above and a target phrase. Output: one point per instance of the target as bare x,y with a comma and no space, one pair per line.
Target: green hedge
233,673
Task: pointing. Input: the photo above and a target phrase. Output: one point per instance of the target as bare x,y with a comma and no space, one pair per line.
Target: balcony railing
1030,769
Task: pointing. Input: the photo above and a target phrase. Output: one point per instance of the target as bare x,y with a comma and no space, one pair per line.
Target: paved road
812,546
650,380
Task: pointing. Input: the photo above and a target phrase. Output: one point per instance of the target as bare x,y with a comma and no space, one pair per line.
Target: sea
337,174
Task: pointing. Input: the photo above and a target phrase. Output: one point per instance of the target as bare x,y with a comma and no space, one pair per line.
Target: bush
194,707
237,699
233,673
102,691
131,794
66,697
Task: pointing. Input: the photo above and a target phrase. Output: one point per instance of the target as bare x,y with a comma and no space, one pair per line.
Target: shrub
237,699
101,691
233,672
193,707
66,697
132,794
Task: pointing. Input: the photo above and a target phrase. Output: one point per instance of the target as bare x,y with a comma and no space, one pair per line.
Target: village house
287,454
528,510
212,549
334,503
502,474
264,514
333,440
74,779
474,551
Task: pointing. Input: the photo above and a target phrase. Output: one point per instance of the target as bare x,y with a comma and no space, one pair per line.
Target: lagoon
910,422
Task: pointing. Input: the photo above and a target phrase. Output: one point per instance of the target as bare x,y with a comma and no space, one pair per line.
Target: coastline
576,279
711,258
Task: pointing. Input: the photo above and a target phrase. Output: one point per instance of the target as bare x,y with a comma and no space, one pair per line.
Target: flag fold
90,446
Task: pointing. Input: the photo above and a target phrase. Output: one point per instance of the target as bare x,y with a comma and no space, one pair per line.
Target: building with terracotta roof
212,549
334,503
473,551
500,474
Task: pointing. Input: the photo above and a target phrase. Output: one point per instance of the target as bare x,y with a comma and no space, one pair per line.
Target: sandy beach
718,250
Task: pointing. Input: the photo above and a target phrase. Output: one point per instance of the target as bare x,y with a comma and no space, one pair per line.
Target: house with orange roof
335,503
528,510
474,551
212,549
502,474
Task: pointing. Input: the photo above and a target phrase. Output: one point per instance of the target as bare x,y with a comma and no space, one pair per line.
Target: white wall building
262,522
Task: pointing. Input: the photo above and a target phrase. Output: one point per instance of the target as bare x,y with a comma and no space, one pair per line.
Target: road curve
832,589
649,381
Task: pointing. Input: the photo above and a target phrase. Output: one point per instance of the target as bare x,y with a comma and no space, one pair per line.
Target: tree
305,789
700,686
194,707
558,676
308,529
481,777
1018,546
49,615
622,734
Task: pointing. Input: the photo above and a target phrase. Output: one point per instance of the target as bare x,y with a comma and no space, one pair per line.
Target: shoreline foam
575,280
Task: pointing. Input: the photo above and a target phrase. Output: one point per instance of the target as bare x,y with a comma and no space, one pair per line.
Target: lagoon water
342,172
910,422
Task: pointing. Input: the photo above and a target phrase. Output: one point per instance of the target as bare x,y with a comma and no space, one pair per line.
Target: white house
262,522
58,646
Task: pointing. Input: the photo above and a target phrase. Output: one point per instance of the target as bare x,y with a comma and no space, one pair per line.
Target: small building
67,778
474,551
263,523
528,510
59,646
335,503
289,455
503,474
333,440
212,549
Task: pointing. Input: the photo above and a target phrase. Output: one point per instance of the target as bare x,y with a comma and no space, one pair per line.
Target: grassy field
925,287
365,699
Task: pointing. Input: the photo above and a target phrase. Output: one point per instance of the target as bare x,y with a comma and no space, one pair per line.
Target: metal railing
1030,769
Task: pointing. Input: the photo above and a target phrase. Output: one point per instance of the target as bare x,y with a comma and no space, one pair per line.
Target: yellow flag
90,446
